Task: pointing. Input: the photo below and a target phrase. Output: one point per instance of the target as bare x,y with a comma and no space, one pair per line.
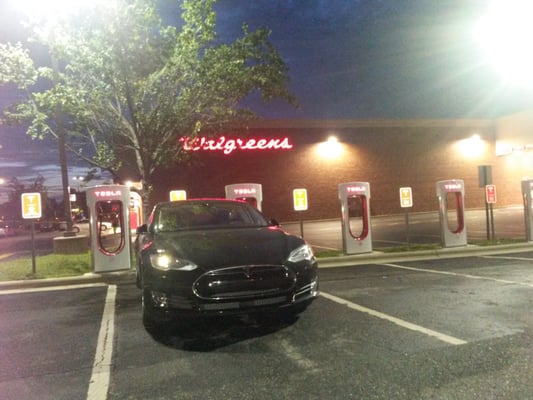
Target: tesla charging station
249,192
110,232
355,207
136,210
527,194
453,233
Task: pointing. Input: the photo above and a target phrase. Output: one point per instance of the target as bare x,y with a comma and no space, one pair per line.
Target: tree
17,188
130,86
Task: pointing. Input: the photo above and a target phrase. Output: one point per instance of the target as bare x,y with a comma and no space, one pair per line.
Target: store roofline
370,123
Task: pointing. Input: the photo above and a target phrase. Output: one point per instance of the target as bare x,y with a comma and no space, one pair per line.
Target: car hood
230,247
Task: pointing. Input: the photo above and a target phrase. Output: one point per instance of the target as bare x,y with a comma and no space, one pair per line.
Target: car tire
138,280
76,229
147,309
151,321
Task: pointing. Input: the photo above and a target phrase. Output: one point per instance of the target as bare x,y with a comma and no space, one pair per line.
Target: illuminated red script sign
229,145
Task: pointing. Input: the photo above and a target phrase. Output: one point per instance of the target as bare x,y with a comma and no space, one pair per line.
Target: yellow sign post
300,199
31,205
178,195
406,197
31,209
406,202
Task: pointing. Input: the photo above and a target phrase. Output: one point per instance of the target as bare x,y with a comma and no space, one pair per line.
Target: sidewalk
85,279
375,257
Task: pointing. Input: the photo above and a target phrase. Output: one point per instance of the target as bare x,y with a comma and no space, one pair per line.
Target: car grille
244,282
222,306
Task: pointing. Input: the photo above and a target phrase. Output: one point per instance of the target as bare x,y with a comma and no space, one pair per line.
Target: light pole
48,12
60,131
80,181
2,181
505,33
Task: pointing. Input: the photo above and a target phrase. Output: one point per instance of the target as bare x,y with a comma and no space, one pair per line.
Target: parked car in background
214,256
62,226
7,230
55,225
46,226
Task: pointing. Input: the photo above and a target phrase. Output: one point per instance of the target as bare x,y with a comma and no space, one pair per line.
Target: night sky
350,59
380,58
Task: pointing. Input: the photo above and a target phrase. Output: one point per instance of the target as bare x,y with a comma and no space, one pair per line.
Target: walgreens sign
228,145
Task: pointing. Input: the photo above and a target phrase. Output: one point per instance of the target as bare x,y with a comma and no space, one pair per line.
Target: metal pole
407,227
62,152
492,222
33,266
487,219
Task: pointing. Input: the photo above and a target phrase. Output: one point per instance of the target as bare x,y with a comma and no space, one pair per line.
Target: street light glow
52,9
331,148
472,147
48,13
505,34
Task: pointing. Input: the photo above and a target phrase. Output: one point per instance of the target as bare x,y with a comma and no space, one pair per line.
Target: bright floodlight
52,9
506,34
472,147
330,148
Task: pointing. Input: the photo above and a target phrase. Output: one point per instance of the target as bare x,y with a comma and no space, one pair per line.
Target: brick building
388,154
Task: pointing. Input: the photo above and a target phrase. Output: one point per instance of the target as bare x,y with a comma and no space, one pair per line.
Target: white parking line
404,324
51,288
293,354
99,383
510,258
316,246
435,271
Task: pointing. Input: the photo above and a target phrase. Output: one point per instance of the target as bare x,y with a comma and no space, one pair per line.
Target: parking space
48,341
457,301
457,328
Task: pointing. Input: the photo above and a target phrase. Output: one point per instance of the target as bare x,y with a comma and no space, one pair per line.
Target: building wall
388,154
514,133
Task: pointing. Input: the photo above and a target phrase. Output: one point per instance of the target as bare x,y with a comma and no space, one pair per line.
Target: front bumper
235,290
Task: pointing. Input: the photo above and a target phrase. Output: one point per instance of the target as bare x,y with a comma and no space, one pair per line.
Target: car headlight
302,253
164,261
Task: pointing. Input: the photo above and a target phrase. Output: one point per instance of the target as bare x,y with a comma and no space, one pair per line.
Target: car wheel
138,281
151,321
76,229
147,312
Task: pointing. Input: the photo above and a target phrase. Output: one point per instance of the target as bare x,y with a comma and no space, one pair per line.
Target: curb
108,277
443,253
326,262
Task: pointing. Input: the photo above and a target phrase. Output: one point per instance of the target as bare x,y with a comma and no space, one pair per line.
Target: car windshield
176,216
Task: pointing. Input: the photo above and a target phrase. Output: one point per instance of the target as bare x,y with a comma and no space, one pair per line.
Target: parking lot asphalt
374,257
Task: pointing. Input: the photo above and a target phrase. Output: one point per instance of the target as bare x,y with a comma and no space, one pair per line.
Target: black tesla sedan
217,256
